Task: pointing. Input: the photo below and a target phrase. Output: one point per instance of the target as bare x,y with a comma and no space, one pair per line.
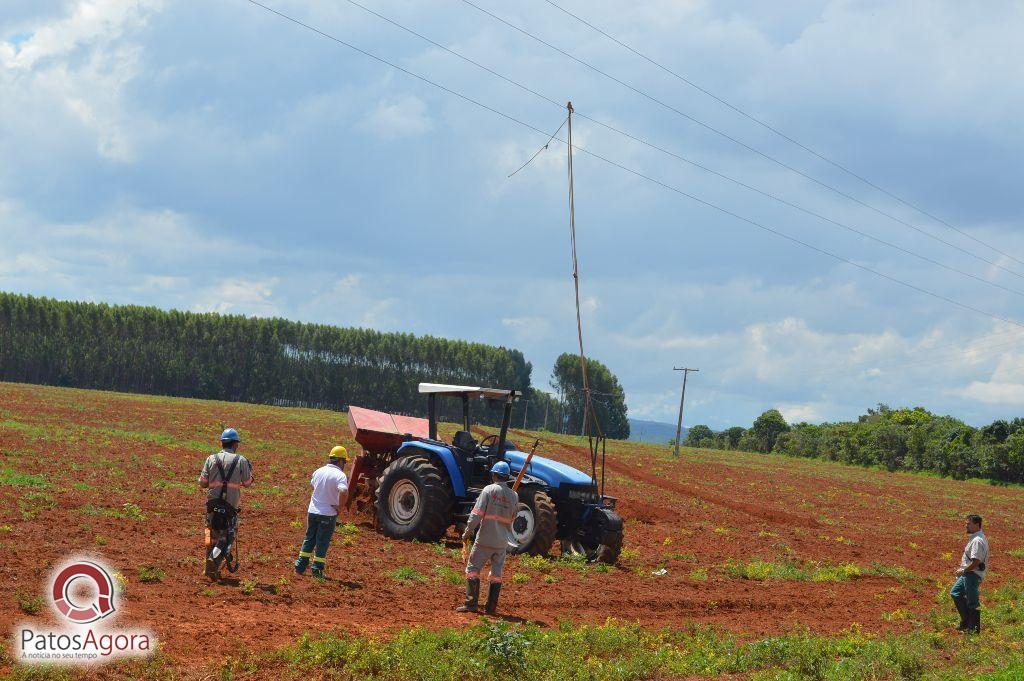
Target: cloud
398,119
241,295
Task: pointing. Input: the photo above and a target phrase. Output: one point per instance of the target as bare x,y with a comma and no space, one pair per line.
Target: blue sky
212,156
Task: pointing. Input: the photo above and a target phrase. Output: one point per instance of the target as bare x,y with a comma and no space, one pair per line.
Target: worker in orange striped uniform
491,519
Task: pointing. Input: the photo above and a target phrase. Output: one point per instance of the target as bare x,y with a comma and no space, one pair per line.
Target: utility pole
682,398
526,410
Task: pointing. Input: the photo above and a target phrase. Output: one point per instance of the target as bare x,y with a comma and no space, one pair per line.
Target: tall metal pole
682,398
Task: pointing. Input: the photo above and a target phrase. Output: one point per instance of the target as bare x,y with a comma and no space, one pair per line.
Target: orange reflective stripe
500,519
478,511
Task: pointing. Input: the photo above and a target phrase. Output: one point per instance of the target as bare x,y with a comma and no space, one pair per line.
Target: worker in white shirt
329,485
973,568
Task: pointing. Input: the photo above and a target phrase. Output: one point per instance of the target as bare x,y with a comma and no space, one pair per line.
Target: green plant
29,604
406,574
248,586
100,540
538,563
132,511
520,578
149,574
449,575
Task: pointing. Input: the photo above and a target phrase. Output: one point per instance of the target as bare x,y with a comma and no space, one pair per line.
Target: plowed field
752,544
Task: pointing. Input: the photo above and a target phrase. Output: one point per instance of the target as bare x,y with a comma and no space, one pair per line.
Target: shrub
149,574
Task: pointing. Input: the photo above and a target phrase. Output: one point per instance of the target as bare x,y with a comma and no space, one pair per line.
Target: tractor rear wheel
535,523
600,541
414,499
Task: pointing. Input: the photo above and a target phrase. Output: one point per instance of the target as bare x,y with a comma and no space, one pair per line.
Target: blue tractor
419,485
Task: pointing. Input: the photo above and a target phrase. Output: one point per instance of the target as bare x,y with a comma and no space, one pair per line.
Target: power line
682,158
778,132
641,175
735,140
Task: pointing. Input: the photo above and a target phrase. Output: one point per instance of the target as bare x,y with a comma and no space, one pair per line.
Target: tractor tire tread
546,517
437,498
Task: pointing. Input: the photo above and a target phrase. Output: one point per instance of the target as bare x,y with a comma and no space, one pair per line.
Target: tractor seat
464,440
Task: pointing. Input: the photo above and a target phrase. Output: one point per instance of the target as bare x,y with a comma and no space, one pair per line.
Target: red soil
698,512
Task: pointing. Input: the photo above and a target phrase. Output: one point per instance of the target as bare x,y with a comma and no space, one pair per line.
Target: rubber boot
472,596
974,622
493,591
965,614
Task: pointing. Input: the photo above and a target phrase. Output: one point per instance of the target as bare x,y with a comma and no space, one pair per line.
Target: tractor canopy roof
467,391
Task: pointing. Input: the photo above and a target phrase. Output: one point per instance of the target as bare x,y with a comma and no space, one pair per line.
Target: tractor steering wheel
483,443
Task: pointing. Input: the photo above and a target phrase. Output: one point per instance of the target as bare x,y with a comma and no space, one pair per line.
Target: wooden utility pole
682,398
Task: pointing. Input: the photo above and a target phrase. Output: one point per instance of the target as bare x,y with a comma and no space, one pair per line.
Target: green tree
699,436
609,399
767,428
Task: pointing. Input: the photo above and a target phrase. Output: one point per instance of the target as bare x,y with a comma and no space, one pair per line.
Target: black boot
965,614
974,623
493,591
472,596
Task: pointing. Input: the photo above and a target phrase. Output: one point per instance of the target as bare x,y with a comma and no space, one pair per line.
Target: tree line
910,439
270,361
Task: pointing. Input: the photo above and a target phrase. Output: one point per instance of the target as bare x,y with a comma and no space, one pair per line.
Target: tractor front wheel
600,540
535,523
414,499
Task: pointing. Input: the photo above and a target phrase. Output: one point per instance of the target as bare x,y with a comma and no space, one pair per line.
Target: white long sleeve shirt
329,483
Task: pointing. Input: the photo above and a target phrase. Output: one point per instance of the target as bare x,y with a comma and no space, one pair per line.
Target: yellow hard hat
339,452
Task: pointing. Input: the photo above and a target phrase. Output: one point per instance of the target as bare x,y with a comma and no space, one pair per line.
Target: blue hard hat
230,435
501,468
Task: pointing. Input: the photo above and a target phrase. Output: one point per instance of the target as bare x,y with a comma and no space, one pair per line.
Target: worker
973,568
223,476
493,514
329,485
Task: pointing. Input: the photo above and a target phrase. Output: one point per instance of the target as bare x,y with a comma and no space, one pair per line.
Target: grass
149,574
13,478
406,575
760,570
28,603
449,575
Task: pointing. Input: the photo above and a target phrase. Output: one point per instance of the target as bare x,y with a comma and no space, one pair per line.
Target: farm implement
419,485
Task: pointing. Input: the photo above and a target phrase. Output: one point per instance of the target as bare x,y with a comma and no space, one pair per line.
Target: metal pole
526,410
682,398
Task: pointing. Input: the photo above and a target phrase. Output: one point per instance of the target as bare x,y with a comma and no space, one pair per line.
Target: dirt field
701,519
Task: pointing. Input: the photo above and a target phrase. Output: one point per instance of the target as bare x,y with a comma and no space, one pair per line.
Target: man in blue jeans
329,484
973,567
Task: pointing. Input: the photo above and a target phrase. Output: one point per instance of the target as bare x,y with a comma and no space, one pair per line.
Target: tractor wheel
601,543
414,499
535,524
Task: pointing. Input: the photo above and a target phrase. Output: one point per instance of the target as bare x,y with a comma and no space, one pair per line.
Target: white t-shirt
977,547
329,483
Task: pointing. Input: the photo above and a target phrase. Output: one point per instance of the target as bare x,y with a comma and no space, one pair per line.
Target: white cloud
240,295
397,119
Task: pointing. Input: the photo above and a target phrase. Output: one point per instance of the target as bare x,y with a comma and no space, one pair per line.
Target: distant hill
652,431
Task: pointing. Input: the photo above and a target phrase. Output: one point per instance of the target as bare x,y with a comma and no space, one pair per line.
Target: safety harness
222,514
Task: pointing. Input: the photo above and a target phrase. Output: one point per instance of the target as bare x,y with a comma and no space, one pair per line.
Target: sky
217,157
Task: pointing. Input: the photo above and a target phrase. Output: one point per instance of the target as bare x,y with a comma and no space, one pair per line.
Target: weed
120,583
629,554
406,574
760,570
520,578
248,586
100,540
449,575
132,511
537,563
6,529
149,574
699,575
835,573
209,593
550,579
1015,553
897,572
29,604
295,524
13,478
348,529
